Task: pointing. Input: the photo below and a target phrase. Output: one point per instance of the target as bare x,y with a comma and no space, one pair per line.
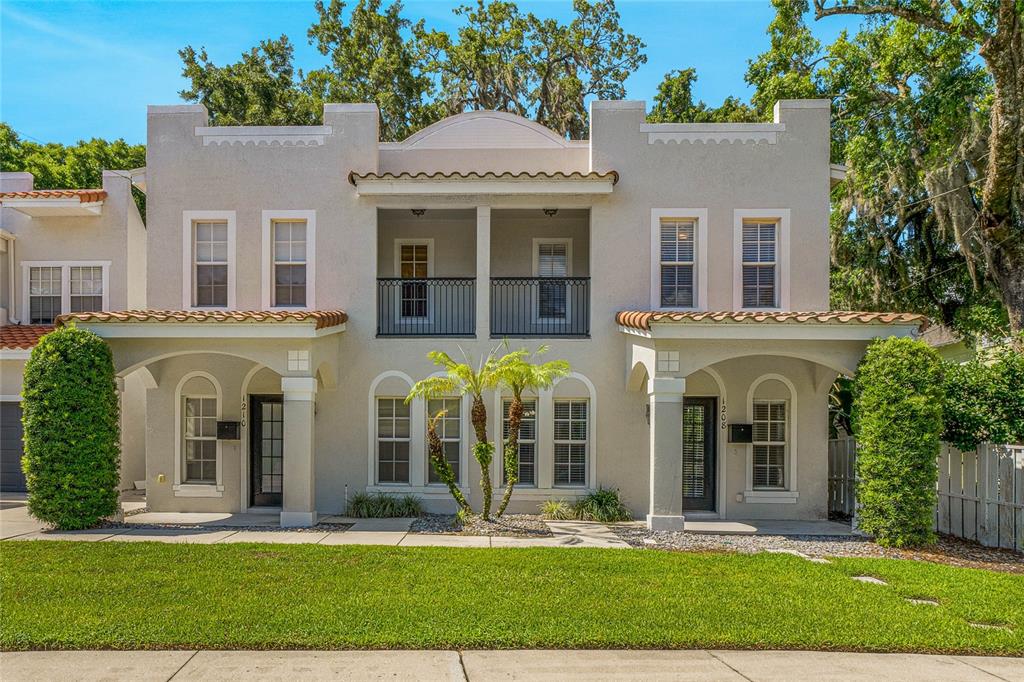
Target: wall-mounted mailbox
741,433
228,431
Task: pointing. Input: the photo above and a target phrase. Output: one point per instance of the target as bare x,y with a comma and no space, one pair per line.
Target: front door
699,449
266,450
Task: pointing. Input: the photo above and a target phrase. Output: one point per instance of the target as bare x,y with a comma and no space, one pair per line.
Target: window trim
180,488
65,282
188,221
781,216
267,257
700,254
790,493
537,243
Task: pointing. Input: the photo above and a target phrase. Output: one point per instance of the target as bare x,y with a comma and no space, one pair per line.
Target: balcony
540,306
431,306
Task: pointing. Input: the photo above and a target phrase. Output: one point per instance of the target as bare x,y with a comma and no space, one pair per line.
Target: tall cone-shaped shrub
72,437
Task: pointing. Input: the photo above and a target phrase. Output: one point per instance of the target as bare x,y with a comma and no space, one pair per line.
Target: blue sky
73,70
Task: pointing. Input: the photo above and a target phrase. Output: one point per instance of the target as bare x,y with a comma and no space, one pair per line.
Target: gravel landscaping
318,528
948,550
509,525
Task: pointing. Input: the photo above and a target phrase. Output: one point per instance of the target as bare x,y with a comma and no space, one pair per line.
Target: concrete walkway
293,666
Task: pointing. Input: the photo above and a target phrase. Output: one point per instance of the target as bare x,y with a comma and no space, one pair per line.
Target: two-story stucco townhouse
298,276
65,251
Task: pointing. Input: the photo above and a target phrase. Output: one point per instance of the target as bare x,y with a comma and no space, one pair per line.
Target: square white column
483,272
666,493
298,506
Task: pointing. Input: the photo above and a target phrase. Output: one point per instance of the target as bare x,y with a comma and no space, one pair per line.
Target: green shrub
984,400
556,510
384,506
897,419
72,437
602,505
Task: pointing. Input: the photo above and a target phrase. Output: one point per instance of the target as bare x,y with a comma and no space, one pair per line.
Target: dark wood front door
266,449
699,448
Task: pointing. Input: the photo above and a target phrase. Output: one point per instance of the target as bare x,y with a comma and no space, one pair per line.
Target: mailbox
741,433
228,431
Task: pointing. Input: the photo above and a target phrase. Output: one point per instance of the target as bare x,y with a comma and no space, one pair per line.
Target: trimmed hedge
984,401
72,437
897,419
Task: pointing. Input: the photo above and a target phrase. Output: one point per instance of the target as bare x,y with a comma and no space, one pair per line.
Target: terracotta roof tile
84,195
22,336
640,319
354,177
323,318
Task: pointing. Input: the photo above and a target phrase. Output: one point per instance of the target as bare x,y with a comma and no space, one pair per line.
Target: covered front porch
738,410
230,404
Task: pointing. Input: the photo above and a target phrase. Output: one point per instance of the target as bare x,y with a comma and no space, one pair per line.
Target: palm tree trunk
483,453
515,418
435,449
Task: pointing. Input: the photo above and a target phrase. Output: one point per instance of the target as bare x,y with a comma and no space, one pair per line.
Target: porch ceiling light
418,211
550,212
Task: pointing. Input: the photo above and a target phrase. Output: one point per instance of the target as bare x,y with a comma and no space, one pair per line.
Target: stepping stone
813,559
990,626
869,579
927,602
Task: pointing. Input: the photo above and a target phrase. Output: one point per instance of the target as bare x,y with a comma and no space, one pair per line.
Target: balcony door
414,262
552,261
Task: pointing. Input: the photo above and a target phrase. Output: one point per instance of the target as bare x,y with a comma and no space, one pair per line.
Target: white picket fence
980,492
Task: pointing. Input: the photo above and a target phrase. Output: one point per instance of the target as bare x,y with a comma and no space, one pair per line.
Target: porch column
666,498
298,506
483,272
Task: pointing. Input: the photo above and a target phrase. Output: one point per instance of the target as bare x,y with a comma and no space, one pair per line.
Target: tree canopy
58,166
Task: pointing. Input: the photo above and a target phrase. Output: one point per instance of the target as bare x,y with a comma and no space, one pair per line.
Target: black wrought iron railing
540,306
434,306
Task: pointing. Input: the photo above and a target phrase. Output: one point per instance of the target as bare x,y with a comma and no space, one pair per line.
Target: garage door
11,477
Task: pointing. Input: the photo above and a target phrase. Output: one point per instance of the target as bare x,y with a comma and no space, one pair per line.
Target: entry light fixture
418,211
550,212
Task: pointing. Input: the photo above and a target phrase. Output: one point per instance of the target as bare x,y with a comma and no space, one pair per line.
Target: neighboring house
65,251
298,276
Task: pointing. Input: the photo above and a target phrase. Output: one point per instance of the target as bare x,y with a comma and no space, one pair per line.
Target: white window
449,430
86,288
56,288
552,259
289,263
677,253
200,440
527,440
44,294
289,259
210,264
769,445
760,273
570,417
393,437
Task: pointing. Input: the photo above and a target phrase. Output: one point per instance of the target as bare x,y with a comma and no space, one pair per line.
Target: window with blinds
570,419
289,263
449,430
552,262
694,467
677,263
769,443
759,264
527,440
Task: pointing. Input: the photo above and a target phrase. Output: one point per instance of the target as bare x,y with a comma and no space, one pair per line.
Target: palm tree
462,378
518,372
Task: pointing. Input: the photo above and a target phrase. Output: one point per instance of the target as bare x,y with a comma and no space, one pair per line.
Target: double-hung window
210,264
769,443
57,288
393,429
289,263
570,417
449,430
677,247
760,265
527,439
200,438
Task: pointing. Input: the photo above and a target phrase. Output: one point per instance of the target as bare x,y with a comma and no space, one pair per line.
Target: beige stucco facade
503,203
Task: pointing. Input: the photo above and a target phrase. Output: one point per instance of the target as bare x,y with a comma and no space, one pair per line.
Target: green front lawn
128,595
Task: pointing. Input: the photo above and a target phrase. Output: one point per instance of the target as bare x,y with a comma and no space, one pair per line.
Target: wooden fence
980,492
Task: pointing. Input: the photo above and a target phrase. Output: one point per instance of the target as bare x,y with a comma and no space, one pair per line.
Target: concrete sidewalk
753,666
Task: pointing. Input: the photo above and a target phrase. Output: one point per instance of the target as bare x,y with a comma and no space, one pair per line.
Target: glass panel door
699,454
266,446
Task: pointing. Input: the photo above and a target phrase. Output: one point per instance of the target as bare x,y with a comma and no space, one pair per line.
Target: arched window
199,470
